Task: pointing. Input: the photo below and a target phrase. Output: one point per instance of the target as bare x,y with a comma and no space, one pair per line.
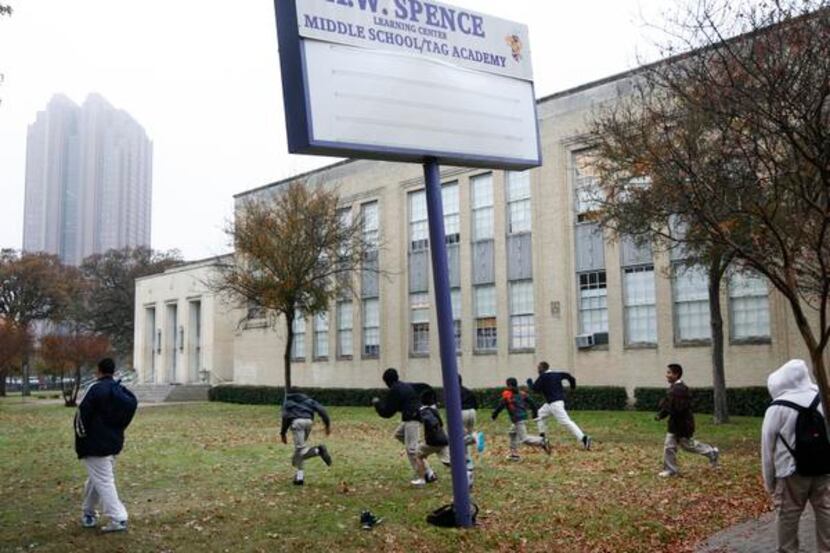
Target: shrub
599,398
750,402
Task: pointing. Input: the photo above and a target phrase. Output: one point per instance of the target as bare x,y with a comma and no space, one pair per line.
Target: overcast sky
202,77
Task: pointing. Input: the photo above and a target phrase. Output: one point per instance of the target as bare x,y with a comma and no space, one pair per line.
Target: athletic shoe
324,454
714,458
666,474
480,441
514,457
368,520
419,482
115,526
89,520
431,477
586,442
299,481
546,445
469,463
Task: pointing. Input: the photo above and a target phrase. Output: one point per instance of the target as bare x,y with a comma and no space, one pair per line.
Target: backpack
445,516
434,434
811,450
123,405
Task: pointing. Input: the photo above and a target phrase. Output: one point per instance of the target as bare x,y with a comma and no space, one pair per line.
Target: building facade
88,180
532,278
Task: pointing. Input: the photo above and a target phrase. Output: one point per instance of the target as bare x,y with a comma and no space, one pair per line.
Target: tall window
321,336
369,214
449,199
371,328
593,302
482,193
345,321
419,306
485,312
518,202
298,346
639,305
691,304
522,327
586,194
418,226
748,307
455,298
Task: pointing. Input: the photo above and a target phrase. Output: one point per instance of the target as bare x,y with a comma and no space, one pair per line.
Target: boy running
298,415
469,404
435,439
549,384
517,405
402,399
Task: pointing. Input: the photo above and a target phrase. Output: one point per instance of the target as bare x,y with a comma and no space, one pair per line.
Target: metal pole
446,339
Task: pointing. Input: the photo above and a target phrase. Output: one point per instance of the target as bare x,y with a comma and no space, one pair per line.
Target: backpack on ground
123,405
811,449
445,516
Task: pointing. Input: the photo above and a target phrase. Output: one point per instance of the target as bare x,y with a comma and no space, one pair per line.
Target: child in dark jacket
517,403
435,439
298,415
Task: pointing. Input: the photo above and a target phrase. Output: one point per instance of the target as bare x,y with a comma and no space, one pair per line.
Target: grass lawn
214,477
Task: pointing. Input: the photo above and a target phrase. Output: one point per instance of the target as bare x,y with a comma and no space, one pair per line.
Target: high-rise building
88,180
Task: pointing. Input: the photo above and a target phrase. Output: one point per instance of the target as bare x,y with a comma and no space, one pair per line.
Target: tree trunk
717,266
76,386
3,374
289,320
24,370
820,373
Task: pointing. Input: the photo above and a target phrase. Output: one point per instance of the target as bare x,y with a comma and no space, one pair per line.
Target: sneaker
419,482
115,526
431,477
299,480
469,463
666,474
714,458
324,454
586,442
546,445
470,479
89,520
480,442
369,520
514,457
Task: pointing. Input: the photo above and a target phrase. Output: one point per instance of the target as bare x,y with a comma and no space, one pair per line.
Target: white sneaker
666,474
419,482
115,526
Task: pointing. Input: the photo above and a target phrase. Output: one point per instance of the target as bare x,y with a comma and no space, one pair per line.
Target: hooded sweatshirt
792,383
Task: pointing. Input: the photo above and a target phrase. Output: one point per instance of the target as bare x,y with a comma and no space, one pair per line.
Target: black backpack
445,516
123,405
811,450
434,434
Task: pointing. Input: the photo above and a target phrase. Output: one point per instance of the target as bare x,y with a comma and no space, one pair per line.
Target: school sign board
407,80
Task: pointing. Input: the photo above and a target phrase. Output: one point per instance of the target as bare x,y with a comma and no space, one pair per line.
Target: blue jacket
549,384
94,435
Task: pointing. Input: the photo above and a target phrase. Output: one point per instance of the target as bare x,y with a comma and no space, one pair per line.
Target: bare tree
733,139
295,253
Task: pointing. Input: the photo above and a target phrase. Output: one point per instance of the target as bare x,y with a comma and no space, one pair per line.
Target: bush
750,402
598,398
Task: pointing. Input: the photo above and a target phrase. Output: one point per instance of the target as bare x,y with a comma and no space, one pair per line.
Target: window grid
518,202
639,304
371,328
298,327
691,303
452,221
419,314
485,312
345,324
455,298
748,307
482,204
593,302
522,327
321,336
369,216
418,222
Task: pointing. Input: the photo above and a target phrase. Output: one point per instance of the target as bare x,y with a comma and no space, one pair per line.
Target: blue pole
446,339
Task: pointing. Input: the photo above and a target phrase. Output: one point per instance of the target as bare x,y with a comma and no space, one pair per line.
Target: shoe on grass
714,458
586,442
89,520
546,445
666,474
480,441
369,520
514,457
324,454
419,482
115,526
431,477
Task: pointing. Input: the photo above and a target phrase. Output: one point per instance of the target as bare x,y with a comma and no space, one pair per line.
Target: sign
406,80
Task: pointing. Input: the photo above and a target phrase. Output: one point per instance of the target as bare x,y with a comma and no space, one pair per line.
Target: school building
533,278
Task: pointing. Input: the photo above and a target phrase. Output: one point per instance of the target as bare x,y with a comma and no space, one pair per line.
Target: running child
517,405
298,415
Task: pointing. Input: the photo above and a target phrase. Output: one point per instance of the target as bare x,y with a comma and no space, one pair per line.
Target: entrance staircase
158,393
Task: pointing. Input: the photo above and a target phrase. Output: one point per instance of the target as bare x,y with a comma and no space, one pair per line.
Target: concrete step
189,392
151,393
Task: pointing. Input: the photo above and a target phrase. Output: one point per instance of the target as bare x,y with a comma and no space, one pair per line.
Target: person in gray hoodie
298,415
791,386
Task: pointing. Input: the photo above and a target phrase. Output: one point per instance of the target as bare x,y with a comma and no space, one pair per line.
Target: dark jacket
517,405
468,399
434,433
549,384
300,406
400,399
95,436
677,405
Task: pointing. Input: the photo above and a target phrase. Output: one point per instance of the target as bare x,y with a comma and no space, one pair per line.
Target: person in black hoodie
298,415
549,384
98,440
402,399
435,438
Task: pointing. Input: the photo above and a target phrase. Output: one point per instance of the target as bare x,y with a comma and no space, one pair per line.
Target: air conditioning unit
600,338
584,341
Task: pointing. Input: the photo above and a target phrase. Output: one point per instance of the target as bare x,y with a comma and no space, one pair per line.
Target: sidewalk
758,536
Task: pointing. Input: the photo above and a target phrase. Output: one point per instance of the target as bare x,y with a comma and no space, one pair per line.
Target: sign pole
446,339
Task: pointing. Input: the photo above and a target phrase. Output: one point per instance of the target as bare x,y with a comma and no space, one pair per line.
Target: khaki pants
100,488
790,497
556,409
518,435
425,451
689,444
300,429
407,433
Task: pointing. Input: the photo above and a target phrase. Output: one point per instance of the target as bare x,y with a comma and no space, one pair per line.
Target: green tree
732,139
295,253
13,343
72,351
